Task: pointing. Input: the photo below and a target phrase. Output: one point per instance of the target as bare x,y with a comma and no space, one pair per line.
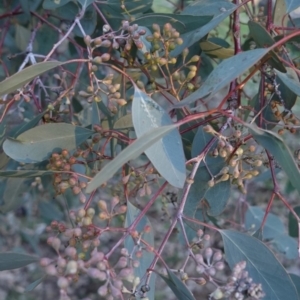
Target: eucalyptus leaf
10,84
290,80
195,35
278,148
208,7
182,23
85,3
224,73
53,4
124,122
130,152
38,143
10,260
34,284
273,226
286,245
177,286
147,257
296,280
13,194
26,173
291,5
167,154
293,224
261,264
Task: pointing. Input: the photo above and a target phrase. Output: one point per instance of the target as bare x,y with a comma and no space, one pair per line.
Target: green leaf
22,37
272,228
224,73
291,81
85,3
276,146
293,224
130,152
263,39
217,197
26,173
177,286
286,245
10,84
53,4
28,125
207,7
215,50
291,5
147,257
124,122
34,284
37,144
280,18
182,23
167,154
194,36
49,211
10,260
88,22
12,196
262,265
296,281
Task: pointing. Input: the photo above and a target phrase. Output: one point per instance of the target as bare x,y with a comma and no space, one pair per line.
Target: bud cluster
243,162
239,286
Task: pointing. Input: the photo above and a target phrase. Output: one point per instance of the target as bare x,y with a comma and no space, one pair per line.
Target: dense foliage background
149,149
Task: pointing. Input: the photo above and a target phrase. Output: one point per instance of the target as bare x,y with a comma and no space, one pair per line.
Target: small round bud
106,28
97,60
195,58
72,267
105,57
62,283
102,291
102,205
87,40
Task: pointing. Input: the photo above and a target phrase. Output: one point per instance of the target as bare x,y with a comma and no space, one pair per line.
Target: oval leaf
130,152
167,154
262,265
37,144
10,260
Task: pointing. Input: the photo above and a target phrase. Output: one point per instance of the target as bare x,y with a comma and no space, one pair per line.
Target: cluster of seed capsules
242,162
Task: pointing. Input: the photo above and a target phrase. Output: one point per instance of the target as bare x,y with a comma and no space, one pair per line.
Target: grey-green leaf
17,80
34,284
286,245
10,260
291,5
290,81
194,36
130,152
177,286
167,154
224,73
273,226
147,257
38,143
276,146
13,194
262,266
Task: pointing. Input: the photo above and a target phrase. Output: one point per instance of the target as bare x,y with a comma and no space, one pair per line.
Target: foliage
138,143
